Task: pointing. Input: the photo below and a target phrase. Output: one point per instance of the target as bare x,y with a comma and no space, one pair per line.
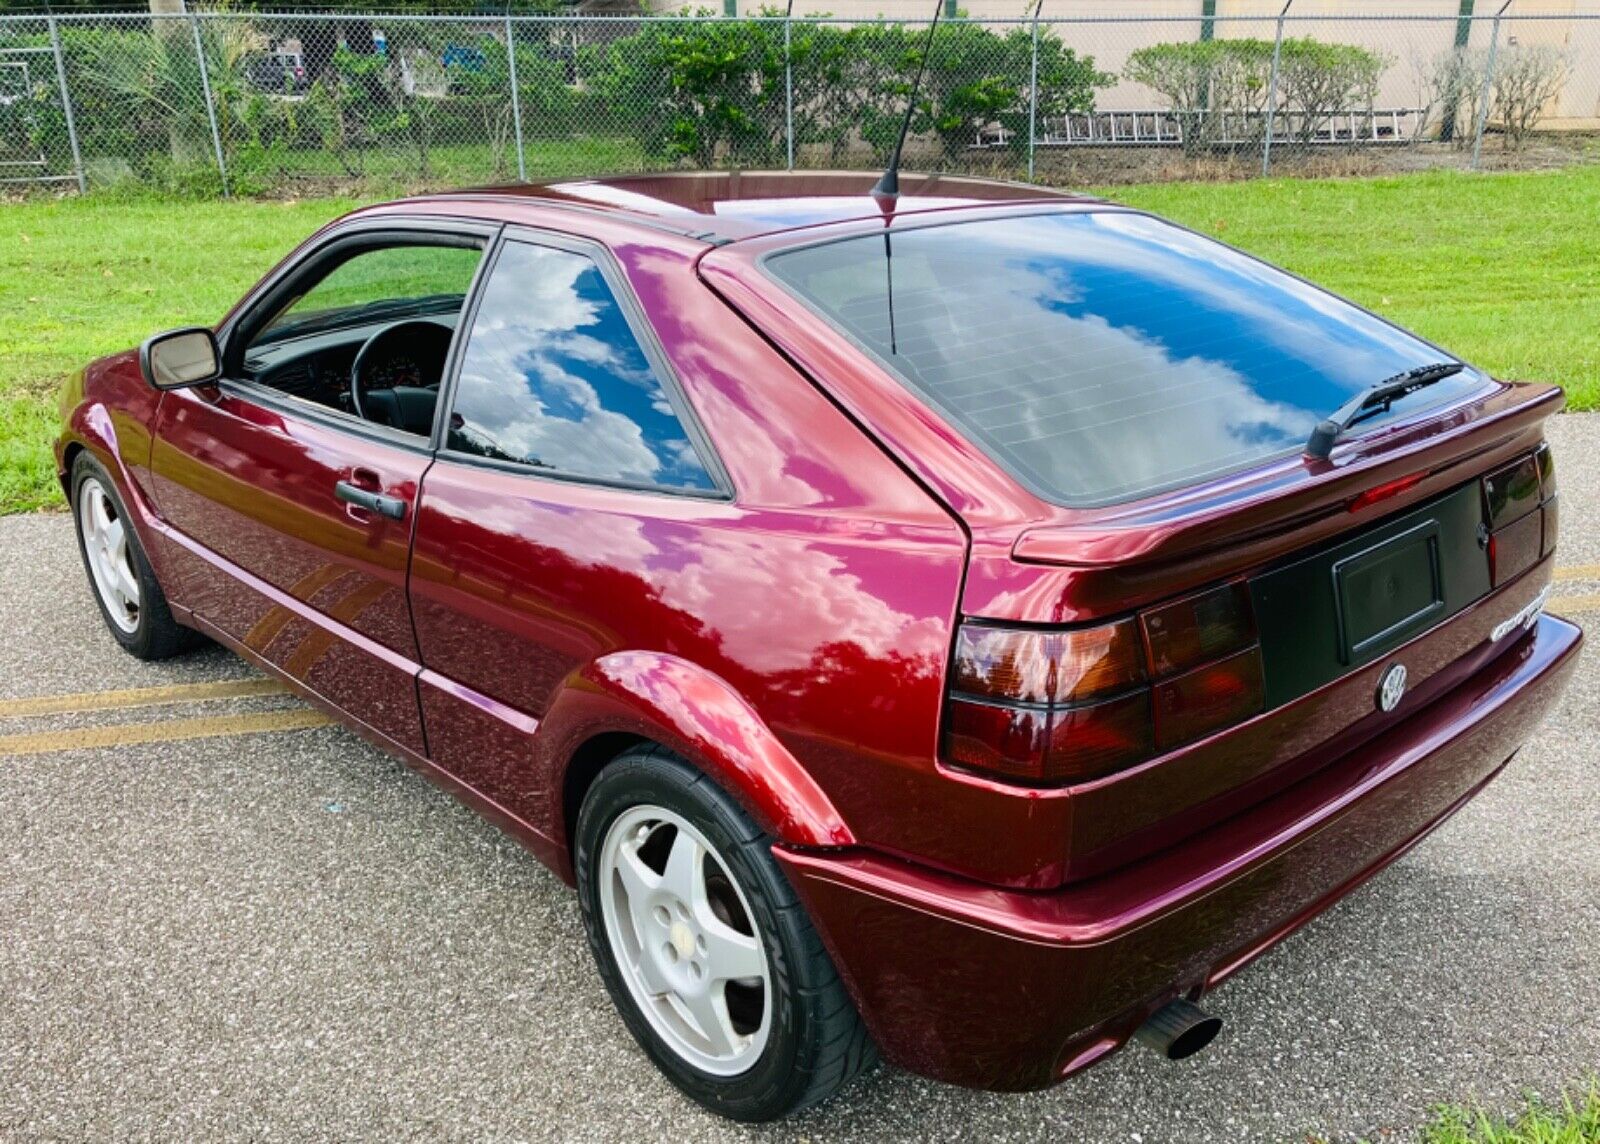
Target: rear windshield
1101,356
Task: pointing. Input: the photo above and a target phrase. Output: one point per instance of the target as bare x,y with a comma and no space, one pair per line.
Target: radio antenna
887,188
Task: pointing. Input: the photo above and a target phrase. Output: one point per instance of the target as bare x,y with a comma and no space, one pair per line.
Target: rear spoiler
1301,500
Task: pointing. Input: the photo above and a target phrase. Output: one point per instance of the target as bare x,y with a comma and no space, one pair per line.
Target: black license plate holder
1388,592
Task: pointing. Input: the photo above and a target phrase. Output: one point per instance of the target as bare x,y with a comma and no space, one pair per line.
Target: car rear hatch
1178,613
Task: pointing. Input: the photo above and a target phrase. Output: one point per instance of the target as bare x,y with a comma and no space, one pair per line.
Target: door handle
392,507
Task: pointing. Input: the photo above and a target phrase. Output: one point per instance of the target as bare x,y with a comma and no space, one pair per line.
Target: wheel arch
69,456
630,699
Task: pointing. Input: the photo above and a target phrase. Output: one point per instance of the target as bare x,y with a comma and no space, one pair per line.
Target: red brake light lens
1098,738
988,737
1517,547
1383,492
1209,698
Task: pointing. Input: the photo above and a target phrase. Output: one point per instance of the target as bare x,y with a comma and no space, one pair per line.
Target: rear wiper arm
1377,399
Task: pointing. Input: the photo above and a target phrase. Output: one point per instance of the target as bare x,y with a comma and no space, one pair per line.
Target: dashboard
316,367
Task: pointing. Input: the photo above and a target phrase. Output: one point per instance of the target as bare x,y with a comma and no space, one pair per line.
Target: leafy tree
710,91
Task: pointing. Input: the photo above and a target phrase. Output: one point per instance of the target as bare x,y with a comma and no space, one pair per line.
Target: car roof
724,206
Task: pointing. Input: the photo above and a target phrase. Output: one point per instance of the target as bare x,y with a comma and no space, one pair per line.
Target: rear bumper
1006,989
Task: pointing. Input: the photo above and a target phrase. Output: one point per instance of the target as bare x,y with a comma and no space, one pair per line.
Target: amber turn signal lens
1048,667
1199,628
1095,662
1005,663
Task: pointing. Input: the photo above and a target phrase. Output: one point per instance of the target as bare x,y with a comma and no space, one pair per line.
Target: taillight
1520,508
1193,705
1547,485
1068,706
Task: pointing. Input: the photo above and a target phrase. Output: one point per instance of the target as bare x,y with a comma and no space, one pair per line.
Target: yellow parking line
1578,572
139,697
1565,604
167,731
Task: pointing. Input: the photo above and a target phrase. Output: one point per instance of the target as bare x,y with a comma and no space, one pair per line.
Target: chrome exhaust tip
1179,1029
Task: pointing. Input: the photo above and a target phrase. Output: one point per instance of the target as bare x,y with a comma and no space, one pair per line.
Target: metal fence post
66,104
1488,86
1033,92
211,107
516,98
1272,92
788,86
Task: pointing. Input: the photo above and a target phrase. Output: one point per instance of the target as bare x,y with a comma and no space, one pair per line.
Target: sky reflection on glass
1104,355
554,378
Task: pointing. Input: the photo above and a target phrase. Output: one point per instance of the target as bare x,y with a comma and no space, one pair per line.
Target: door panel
271,555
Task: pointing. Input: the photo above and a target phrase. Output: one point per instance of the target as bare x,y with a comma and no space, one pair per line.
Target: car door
292,515
569,463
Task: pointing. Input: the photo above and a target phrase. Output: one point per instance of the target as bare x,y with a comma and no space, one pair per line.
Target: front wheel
705,949
125,587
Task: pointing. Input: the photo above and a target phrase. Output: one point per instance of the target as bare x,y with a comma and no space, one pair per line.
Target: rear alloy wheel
704,947
134,607
681,931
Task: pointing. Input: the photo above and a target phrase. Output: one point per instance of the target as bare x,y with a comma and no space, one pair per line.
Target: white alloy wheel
683,935
105,543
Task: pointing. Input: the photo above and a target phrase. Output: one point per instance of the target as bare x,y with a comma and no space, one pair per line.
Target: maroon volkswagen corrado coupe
965,627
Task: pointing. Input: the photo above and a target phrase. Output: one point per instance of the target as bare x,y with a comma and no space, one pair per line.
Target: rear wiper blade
1377,399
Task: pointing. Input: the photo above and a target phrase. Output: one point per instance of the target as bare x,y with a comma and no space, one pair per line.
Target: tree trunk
176,42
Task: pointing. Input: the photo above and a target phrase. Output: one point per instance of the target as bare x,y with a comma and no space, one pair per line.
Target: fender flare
698,715
92,429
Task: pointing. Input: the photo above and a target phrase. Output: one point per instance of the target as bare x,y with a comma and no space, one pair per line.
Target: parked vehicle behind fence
280,72
964,628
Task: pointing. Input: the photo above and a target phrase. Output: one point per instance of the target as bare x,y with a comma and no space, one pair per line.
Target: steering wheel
433,345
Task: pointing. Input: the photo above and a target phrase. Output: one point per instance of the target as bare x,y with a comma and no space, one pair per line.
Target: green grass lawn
1502,269
1572,1119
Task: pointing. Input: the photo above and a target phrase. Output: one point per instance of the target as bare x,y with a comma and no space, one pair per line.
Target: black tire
156,635
816,1041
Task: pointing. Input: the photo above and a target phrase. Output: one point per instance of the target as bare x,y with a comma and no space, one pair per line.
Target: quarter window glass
553,377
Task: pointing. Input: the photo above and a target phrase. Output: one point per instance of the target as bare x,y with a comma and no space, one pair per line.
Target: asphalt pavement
222,918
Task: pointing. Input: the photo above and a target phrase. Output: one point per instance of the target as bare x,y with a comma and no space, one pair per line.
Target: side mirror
178,359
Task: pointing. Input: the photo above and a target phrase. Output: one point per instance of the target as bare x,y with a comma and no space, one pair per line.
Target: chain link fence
253,103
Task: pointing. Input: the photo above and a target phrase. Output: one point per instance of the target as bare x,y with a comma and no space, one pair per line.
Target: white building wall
1411,44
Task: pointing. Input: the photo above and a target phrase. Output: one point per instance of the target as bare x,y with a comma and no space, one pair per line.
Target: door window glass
370,337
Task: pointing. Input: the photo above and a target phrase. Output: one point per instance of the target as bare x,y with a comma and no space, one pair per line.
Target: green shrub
1319,80
1218,89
